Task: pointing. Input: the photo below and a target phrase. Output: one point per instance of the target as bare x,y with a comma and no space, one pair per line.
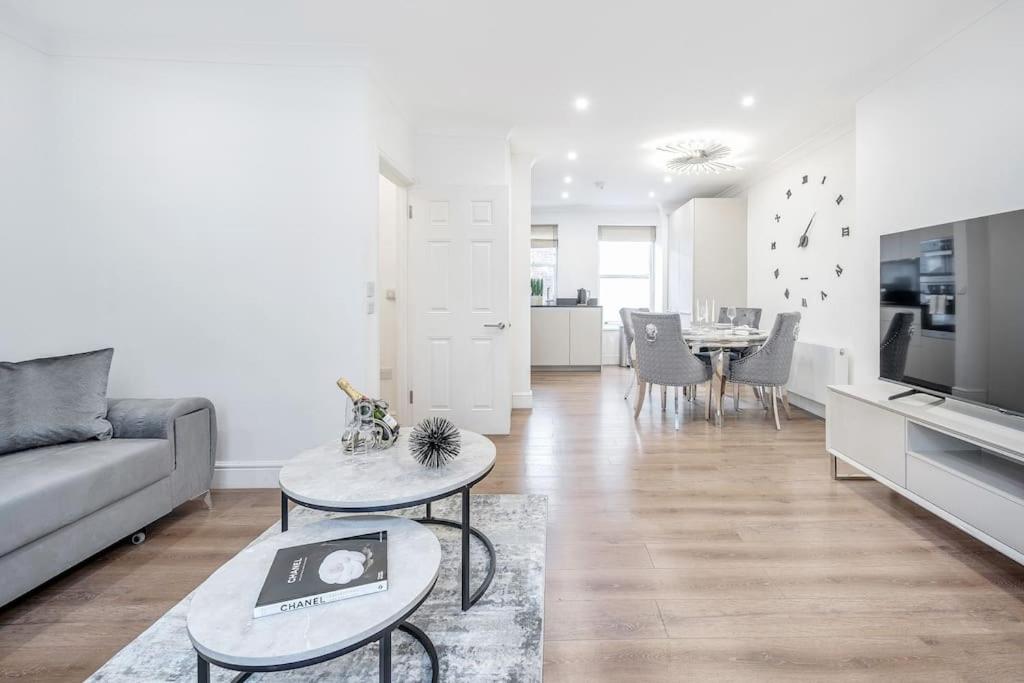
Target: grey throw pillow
48,401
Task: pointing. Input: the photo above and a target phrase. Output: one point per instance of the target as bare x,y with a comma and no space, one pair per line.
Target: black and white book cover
318,573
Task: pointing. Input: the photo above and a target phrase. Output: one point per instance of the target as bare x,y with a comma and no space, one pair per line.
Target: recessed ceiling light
651,194
565,195
581,103
747,101
667,179
567,179
571,155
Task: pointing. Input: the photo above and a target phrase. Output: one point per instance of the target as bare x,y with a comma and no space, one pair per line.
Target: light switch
369,290
369,306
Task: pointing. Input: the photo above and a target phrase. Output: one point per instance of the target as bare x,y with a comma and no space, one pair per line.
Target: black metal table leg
429,515
385,658
469,597
428,645
202,669
466,604
284,511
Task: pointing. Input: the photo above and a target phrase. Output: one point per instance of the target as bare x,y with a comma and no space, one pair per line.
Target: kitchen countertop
561,306
888,304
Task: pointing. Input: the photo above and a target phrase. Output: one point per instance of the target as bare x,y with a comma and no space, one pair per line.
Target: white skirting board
815,366
812,407
253,474
522,400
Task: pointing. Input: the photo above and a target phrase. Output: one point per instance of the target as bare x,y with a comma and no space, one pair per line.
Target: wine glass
731,314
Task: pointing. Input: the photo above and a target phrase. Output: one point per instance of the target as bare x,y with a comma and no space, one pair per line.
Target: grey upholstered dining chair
625,314
751,317
663,358
769,366
895,346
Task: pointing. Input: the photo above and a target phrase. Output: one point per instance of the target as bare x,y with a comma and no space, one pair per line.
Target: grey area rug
498,639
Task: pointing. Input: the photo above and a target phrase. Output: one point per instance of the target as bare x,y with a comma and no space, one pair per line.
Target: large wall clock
809,229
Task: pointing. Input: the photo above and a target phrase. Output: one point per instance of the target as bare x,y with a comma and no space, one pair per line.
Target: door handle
500,326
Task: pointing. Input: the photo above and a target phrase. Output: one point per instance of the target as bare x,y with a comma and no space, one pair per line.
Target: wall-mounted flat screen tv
952,310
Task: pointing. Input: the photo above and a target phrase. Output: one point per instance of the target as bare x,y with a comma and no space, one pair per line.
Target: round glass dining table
722,340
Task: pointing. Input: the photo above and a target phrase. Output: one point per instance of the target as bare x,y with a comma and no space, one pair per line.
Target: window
626,268
544,257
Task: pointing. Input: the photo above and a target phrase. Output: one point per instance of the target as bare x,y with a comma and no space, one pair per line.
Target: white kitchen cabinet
566,337
549,336
707,253
585,336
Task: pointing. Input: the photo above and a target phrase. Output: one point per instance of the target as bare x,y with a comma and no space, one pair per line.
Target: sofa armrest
188,424
150,418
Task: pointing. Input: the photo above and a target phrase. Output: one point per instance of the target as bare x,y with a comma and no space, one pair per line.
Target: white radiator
815,366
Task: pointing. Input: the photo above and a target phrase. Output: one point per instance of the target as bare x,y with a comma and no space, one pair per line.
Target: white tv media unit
962,462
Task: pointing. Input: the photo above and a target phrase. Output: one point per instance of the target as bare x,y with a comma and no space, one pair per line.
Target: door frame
402,182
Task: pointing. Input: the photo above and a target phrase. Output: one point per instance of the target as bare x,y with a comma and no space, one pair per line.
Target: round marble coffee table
326,478
225,633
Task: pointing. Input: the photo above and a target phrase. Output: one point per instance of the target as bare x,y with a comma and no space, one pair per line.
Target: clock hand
810,222
804,239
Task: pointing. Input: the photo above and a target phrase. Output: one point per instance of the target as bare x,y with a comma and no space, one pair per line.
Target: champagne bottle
380,408
368,410
352,392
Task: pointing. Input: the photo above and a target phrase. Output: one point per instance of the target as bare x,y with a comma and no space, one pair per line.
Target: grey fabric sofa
61,504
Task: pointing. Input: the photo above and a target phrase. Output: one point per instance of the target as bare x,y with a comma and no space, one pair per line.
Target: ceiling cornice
15,27
603,208
464,131
804,149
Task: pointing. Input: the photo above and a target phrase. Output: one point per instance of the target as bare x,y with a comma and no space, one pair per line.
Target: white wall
26,148
458,158
393,132
210,225
519,278
829,322
387,280
941,141
577,241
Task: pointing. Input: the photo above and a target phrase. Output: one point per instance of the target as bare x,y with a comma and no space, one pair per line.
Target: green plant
536,286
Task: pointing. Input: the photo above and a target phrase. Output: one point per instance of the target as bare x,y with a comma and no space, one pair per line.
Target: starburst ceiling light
697,157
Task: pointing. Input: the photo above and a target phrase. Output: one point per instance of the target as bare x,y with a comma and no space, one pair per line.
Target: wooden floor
711,553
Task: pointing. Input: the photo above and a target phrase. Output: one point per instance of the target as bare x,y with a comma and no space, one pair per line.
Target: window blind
625,233
543,236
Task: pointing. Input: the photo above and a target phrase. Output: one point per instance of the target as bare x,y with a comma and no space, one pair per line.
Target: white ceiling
653,69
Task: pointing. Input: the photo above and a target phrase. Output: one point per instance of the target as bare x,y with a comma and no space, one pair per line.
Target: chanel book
319,573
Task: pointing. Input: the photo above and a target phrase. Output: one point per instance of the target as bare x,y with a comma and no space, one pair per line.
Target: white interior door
458,282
